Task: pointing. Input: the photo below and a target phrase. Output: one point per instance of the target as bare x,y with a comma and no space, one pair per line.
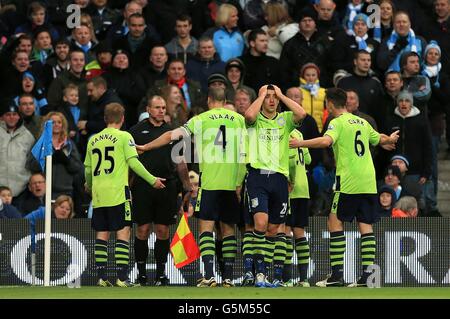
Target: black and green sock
101,257
302,250
247,251
207,251
368,250
279,256
259,246
219,255
287,269
141,254
229,250
337,251
268,253
161,251
122,253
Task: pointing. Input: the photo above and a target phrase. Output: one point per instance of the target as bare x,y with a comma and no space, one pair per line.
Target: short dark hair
337,96
217,94
184,17
136,15
98,81
3,188
393,72
359,52
254,34
405,56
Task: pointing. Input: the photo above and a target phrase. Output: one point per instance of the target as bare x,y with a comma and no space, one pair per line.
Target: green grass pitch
222,293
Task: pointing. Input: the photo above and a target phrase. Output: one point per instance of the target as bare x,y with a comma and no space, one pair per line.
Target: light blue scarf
313,88
411,47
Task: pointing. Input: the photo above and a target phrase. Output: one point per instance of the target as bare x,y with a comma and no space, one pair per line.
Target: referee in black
152,207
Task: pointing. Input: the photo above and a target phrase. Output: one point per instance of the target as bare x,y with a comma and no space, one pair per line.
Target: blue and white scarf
362,44
352,12
313,88
411,47
432,71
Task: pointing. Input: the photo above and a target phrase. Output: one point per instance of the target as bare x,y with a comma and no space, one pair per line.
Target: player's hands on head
277,91
159,183
263,91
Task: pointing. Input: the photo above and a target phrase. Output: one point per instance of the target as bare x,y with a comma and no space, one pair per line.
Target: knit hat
393,170
234,63
432,45
9,106
308,12
307,66
28,75
400,157
217,77
118,52
362,17
405,95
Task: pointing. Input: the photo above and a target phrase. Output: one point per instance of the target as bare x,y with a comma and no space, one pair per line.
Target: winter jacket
175,50
199,70
95,121
261,70
314,106
14,147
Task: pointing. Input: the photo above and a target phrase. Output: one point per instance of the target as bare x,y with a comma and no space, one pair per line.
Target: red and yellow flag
184,249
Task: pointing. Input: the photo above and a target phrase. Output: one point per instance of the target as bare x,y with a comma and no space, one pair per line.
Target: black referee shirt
158,162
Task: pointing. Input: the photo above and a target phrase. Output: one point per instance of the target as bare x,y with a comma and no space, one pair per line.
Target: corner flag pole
48,220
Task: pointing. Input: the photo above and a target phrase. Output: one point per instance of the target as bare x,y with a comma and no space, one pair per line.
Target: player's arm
164,139
183,174
307,156
318,142
88,171
255,107
140,170
298,111
388,142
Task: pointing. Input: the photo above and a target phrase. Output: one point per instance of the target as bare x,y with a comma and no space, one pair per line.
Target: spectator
352,106
73,75
27,108
194,179
280,27
218,80
121,28
33,197
313,96
176,110
347,45
306,46
328,23
227,38
402,40
439,31
235,72
204,63
405,207
99,96
65,159
71,110
86,19
183,45
260,68
57,62
63,208
125,83
137,42
103,17
176,74
82,40
411,187
363,82
393,84
354,8
386,199
37,15
156,69
42,46
387,11
15,142
242,100
102,64
414,82
392,178
29,86
11,77
6,209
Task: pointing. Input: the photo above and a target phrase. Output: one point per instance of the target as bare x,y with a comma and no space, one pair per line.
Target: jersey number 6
359,145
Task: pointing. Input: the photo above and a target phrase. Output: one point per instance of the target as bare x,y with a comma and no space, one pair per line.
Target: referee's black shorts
157,206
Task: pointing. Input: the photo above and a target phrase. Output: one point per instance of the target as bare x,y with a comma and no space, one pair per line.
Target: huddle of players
275,199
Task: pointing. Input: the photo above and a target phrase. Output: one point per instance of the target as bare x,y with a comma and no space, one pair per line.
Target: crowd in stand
395,71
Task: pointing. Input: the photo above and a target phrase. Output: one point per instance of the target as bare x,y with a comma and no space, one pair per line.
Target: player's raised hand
394,136
278,91
159,183
263,91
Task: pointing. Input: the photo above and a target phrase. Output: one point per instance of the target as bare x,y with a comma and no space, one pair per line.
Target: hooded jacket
415,140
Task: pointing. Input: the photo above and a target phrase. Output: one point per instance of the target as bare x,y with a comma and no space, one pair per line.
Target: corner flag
43,146
184,249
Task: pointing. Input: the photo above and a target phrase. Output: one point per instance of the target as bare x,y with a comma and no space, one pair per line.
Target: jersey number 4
221,137
108,157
